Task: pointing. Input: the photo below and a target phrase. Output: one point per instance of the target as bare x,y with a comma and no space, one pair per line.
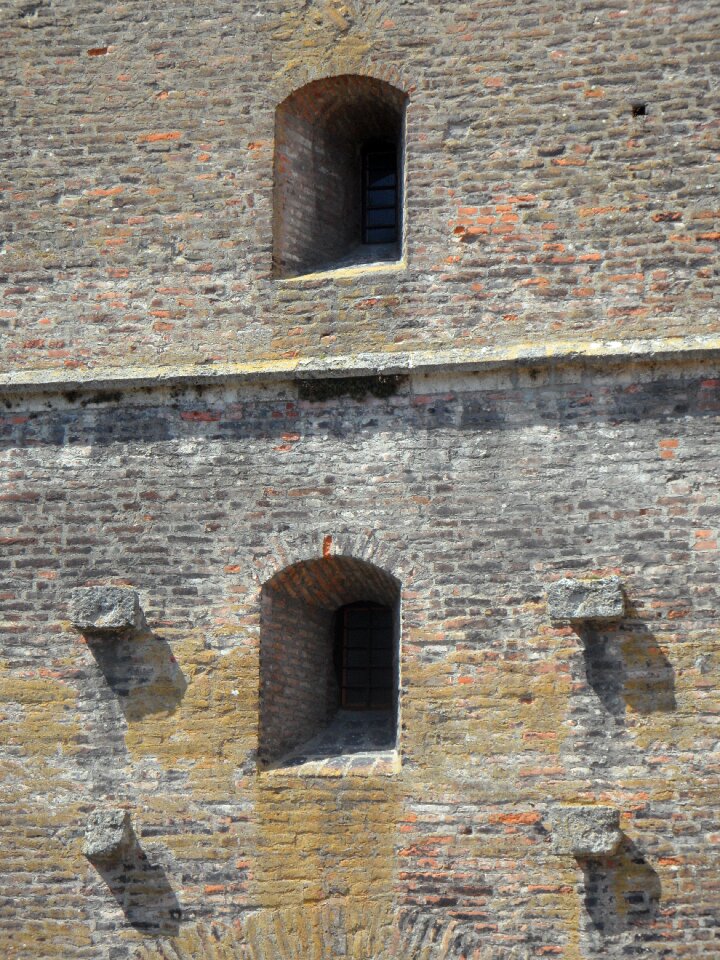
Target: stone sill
350,272
383,763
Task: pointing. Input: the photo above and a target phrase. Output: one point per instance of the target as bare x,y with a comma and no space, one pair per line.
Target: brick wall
474,495
141,153
296,695
137,207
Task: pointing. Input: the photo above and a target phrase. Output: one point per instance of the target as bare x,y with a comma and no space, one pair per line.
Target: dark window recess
364,657
380,192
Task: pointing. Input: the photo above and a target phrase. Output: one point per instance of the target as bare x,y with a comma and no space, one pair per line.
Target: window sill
347,272
381,763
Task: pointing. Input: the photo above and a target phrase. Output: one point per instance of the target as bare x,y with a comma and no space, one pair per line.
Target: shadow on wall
143,893
626,667
142,672
622,893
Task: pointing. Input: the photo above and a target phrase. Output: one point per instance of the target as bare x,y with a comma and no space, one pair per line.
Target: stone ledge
580,600
475,360
383,763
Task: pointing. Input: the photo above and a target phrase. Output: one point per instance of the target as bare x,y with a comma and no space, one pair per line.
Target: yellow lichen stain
329,37
671,694
212,728
39,720
472,706
44,842
355,930
319,839
46,938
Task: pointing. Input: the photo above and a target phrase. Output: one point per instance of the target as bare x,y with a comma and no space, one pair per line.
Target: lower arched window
329,661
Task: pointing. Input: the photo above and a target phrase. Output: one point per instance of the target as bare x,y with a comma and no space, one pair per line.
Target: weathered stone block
108,834
586,599
105,610
585,831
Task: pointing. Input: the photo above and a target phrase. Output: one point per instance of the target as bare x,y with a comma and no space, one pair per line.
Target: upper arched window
338,175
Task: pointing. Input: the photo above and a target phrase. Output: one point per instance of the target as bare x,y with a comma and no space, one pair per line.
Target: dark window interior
364,656
380,192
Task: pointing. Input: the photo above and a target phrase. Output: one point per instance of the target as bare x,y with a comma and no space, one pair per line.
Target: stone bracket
579,600
105,611
585,832
108,835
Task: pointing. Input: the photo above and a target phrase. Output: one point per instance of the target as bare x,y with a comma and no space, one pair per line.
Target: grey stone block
578,600
105,610
108,834
585,831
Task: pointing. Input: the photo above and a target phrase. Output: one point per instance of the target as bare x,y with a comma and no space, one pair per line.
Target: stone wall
476,493
137,190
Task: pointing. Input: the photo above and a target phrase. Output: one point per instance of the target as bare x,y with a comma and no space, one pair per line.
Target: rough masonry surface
529,394
108,834
585,831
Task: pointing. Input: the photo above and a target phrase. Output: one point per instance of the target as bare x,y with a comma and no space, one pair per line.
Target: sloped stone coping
382,763
456,360
580,600
585,832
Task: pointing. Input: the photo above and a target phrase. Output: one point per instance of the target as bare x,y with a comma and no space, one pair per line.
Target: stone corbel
105,612
109,835
585,832
577,601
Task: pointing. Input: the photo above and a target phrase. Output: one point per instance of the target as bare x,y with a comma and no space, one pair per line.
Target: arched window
338,175
329,661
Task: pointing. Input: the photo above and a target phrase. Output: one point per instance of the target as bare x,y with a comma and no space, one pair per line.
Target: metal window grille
380,193
366,657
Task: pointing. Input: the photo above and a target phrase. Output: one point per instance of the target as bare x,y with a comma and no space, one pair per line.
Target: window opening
380,192
329,662
366,669
338,175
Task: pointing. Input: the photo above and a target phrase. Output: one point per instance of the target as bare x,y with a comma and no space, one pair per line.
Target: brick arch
332,581
307,74
330,931
390,555
327,95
